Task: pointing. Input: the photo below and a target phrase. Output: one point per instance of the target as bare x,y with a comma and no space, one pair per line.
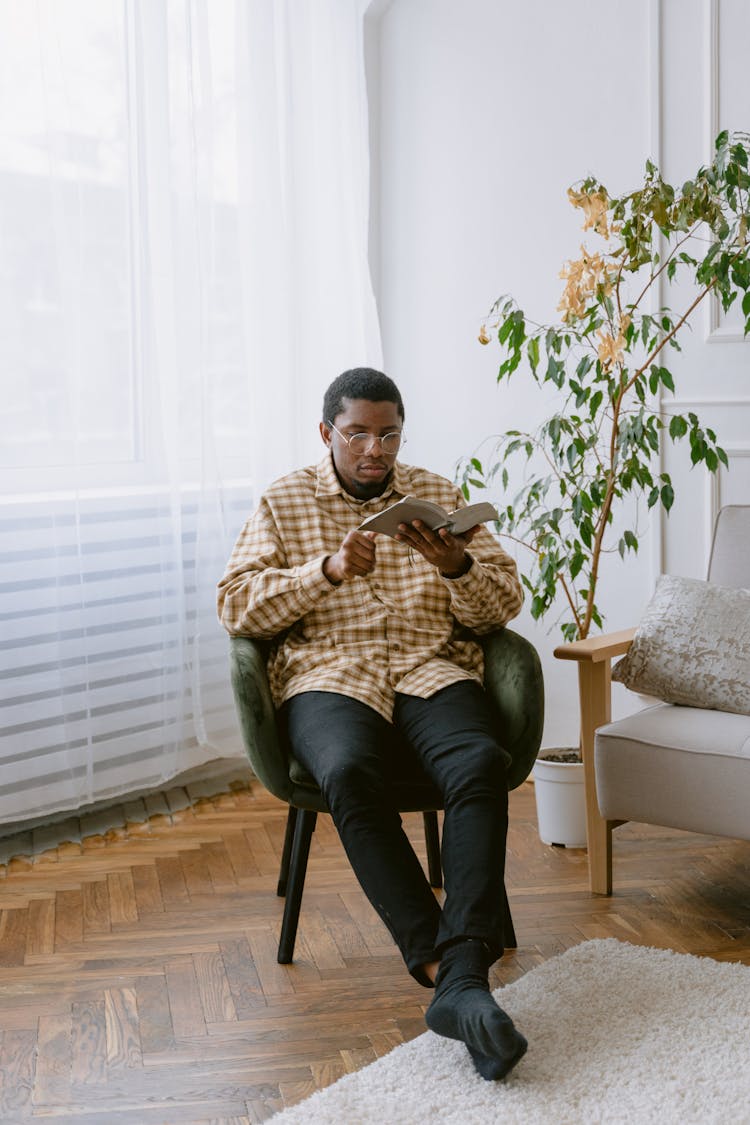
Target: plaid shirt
403,627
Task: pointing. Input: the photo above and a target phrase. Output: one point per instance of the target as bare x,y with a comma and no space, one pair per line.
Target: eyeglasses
360,443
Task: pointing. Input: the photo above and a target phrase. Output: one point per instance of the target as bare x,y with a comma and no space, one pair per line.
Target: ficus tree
605,363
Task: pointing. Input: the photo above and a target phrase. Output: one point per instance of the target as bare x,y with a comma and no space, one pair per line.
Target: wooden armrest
597,649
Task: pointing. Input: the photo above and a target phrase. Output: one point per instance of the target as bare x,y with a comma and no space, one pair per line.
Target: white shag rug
617,1033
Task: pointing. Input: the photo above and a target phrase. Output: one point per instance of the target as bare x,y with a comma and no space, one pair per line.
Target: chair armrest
255,710
514,682
597,649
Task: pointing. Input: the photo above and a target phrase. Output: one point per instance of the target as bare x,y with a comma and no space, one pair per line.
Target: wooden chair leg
304,828
509,933
594,685
432,840
286,854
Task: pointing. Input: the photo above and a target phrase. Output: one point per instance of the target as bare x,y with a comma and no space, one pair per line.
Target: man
371,632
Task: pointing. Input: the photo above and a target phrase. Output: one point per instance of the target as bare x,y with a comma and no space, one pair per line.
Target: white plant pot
560,802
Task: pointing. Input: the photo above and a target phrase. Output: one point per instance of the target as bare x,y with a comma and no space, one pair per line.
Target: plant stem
668,337
560,575
664,265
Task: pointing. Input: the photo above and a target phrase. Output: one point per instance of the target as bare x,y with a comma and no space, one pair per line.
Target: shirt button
396,646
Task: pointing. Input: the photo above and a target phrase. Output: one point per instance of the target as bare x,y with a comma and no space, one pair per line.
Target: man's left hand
445,551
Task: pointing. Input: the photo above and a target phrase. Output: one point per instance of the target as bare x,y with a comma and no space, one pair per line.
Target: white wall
482,114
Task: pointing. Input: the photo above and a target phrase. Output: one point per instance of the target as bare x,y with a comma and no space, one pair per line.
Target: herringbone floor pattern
138,974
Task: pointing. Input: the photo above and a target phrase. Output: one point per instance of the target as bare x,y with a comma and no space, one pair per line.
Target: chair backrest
729,564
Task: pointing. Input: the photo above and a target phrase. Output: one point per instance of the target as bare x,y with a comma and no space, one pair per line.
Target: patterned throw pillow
692,647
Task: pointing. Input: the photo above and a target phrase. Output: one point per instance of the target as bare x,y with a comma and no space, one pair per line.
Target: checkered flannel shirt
401,628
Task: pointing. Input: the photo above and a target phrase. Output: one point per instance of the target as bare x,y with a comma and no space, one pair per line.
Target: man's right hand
355,557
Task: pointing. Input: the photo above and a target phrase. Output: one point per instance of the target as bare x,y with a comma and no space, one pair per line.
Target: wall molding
718,331
656,126
711,64
709,400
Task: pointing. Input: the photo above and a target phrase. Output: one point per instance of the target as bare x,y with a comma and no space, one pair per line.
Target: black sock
464,1009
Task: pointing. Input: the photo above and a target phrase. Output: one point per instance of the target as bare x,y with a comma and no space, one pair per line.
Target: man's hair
360,382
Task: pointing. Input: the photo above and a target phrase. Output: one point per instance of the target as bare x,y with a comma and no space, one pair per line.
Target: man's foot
493,1069
464,1009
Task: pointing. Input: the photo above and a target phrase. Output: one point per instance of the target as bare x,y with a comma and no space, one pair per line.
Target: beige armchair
682,767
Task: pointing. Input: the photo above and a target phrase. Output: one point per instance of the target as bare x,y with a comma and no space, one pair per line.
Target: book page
464,518
405,511
411,508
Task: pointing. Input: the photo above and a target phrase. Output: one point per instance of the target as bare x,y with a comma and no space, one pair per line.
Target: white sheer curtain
183,269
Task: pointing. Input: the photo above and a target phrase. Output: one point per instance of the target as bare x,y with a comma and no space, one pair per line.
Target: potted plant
605,362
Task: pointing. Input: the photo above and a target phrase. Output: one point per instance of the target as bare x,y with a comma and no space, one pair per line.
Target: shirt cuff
473,569
314,582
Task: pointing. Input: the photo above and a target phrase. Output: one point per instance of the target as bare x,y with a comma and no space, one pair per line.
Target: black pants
354,754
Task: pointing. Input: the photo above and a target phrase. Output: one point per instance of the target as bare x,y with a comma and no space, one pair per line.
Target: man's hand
445,551
355,557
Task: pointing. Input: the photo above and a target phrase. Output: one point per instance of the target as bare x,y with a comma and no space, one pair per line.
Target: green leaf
666,378
587,532
504,330
677,427
555,371
595,402
532,349
667,496
576,564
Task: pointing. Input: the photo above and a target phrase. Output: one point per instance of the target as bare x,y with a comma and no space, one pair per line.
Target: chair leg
509,933
286,854
304,828
595,689
432,840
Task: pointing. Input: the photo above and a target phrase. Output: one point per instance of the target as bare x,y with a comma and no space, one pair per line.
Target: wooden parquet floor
138,974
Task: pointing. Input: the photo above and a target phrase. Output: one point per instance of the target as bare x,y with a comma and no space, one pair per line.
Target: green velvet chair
513,678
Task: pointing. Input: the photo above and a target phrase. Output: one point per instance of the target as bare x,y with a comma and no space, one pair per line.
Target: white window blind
100,603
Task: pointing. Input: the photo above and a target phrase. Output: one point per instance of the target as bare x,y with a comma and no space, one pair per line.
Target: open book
412,508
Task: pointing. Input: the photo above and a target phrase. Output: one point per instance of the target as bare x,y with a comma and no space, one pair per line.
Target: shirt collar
328,484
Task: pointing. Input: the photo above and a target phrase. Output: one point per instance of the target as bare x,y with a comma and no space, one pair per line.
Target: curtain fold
183,269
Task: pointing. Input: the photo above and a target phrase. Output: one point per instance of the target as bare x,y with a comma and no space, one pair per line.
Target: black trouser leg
341,742
453,734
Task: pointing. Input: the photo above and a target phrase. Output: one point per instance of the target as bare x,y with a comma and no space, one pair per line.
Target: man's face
363,474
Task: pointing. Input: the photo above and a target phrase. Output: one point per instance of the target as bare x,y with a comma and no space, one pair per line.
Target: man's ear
325,434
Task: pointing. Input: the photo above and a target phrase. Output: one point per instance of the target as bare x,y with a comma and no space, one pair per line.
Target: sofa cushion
692,646
682,767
